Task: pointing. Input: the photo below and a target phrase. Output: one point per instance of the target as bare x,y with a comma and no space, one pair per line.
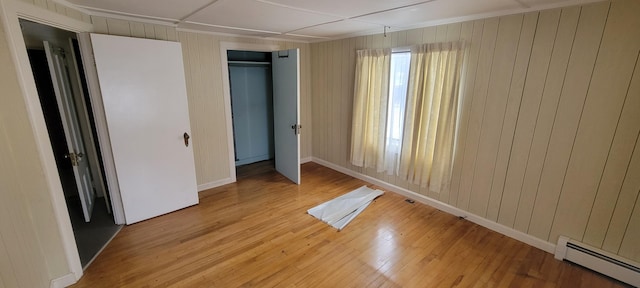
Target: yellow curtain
370,107
426,157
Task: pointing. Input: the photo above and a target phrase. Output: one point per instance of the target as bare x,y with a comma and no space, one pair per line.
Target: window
399,79
405,112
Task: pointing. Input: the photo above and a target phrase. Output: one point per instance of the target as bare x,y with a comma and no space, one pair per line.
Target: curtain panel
370,107
431,117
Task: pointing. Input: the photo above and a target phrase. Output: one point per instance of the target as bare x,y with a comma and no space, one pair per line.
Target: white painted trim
507,231
9,12
128,16
561,248
215,184
239,36
226,91
63,281
306,160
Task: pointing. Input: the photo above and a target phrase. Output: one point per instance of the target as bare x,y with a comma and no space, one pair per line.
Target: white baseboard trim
215,184
306,160
507,231
64,281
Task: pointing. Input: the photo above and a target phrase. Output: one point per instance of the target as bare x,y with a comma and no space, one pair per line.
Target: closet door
145,102
286,112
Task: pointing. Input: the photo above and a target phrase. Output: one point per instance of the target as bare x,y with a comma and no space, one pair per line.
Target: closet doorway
250,83
285,100
56,63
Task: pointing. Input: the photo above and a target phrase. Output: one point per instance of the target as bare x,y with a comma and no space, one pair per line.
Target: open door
69,114
286,111
84,118
145,103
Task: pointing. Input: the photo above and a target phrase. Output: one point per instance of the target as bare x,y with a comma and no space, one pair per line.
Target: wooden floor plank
256,233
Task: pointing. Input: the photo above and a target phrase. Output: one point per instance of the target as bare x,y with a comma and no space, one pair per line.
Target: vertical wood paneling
171,34
319,83
414,37
608,89
305,101
546,114
516,88
525,125
150,31
7,276
334,119
618,161
466,34
51,6
453,32
526,79
39,3
429,35
75,14
493,115
160,32
487,48
100,25
462,155
118,27
630,248
579,71
627,197
137,30
345,102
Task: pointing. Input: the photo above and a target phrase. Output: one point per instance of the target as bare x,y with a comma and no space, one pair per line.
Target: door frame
10,13
224,48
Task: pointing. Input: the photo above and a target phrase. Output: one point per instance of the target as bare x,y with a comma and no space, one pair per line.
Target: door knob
75,158
186,139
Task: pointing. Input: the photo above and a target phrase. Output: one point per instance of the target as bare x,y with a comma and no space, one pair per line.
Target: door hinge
296,128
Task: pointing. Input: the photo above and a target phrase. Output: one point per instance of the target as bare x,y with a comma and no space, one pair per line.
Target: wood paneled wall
548,133
60,9
203,75
31,248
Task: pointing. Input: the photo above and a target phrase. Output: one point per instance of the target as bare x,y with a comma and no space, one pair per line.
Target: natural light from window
399,79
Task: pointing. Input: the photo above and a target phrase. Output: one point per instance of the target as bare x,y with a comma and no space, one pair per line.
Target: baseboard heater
597,260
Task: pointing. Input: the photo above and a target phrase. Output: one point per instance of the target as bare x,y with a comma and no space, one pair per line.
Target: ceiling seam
182,19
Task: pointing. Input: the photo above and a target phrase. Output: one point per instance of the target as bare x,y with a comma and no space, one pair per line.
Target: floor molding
215,184
497,227
64,281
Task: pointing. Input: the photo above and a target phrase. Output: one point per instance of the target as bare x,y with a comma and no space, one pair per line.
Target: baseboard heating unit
597,260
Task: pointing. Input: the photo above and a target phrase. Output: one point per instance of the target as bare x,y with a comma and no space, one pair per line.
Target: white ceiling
312,20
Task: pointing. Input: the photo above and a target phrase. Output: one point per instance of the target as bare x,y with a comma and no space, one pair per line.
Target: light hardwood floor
256,233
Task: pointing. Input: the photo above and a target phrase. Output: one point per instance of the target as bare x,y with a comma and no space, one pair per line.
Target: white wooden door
69,114
145,102
85,126
286,111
